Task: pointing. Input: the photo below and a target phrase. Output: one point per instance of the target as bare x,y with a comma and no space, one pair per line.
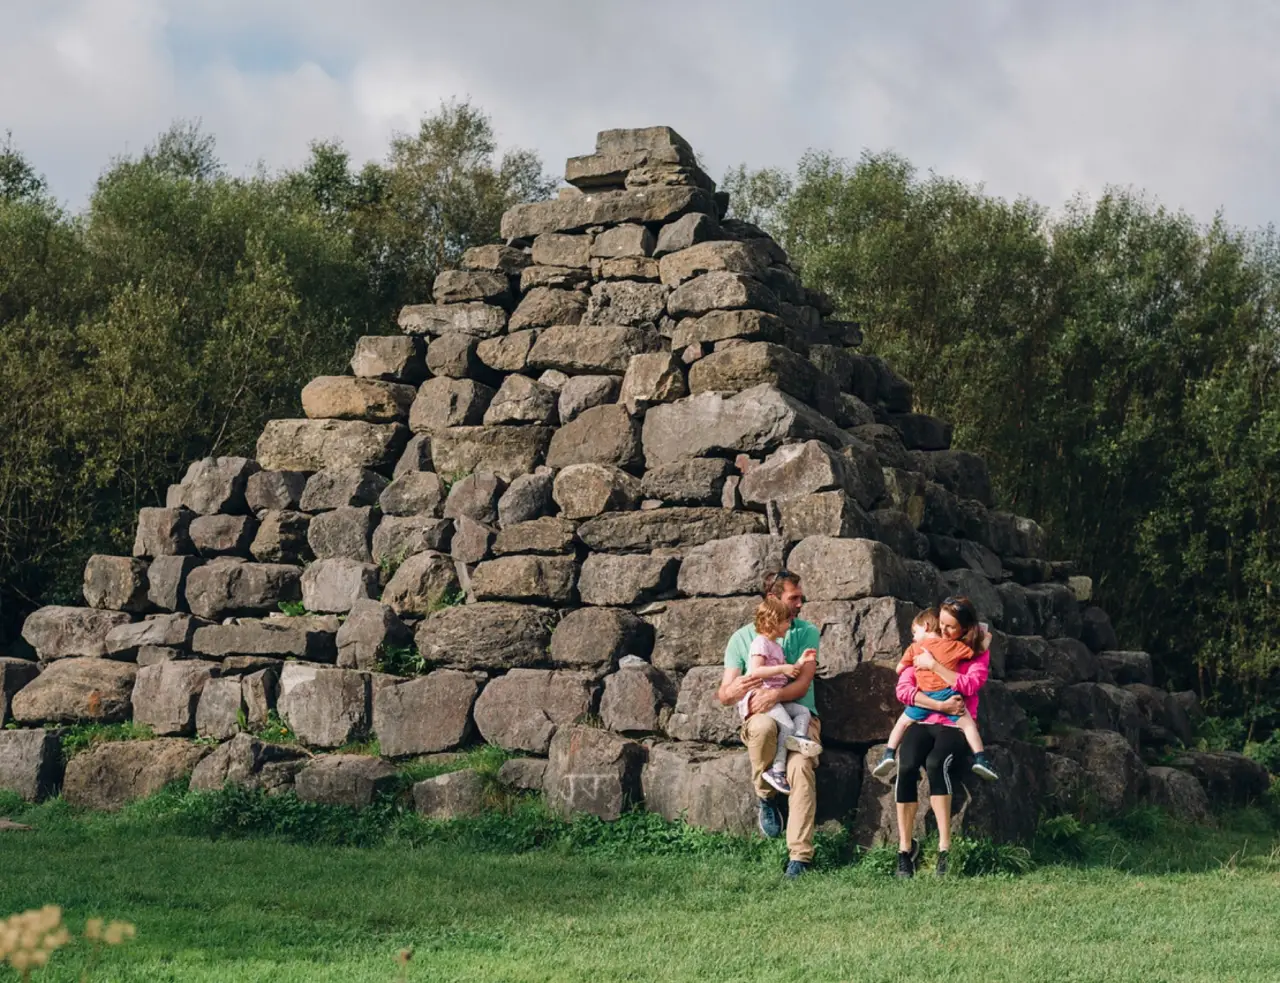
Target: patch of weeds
983,858
11,802
451,478
205,741
82,737
388,565
294,609
1061,839
276,731
370,747
1139,824
1220,734
400,660
485,760
449,599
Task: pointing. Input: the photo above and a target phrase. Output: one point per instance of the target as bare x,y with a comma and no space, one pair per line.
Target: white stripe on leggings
946,771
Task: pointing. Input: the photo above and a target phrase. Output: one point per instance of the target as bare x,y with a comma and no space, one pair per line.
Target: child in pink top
768,662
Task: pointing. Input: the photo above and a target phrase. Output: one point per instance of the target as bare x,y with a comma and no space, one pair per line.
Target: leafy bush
983,858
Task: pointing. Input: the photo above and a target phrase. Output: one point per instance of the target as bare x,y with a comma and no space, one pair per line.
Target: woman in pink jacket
935,743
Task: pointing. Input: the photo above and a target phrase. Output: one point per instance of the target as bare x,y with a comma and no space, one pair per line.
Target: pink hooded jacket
971,676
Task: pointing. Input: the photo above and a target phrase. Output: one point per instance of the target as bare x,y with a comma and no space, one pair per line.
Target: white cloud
1028,98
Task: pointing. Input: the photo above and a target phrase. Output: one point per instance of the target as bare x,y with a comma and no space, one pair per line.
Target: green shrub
81,737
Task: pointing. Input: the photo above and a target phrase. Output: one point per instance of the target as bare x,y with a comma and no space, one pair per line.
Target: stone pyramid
552,499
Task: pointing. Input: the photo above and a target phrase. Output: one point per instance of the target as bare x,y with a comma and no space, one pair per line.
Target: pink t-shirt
772,655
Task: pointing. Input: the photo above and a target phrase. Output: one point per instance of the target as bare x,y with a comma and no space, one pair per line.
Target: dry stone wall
559,489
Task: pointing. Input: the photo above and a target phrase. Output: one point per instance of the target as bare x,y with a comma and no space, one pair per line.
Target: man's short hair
776,583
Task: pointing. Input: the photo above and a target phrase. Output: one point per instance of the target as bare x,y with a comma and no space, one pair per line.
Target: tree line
1113,360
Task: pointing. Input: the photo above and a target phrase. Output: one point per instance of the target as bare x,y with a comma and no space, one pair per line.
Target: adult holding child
755,682
936,742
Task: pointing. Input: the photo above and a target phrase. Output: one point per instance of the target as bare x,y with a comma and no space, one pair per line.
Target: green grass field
649,901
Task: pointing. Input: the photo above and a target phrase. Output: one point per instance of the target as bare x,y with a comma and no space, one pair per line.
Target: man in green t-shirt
760,733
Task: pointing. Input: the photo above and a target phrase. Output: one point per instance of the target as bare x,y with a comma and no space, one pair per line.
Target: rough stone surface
754,363
530,579
348,487
852,632
694,632
754,421
642,532
351,780
507,353
165,695
454,356
399,537
830,513
110,775
626,580
543,307
596,638
325,707
30,763
472,542
599,435
521,400
720,291
859,706
249,763
443,402
313,445
585,490
603,208
703,784
847,569
58,632
523,774
394,358
223,535
162,532
424,715
797,470
1113,772
718,326
74,690
1229,778
14,674
582,392
1178,793
453,796
116,583
626,302
508,451
593,771
220,707
475,497
476,320
527,497
1127,667
276,491
600,349
637,699
652,378
281,537
344,397
736,565
549,535
334,585
344,533
216,484
523,709
175,630
370,629
490,636
556,249
413,493
699,481
261,691
698,715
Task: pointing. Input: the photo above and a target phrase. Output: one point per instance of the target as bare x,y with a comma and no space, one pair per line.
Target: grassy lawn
1203,906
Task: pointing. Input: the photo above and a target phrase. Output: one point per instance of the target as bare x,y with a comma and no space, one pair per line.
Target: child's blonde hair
928,620
771,615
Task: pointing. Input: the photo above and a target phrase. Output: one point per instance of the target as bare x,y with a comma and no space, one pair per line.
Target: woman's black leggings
933,747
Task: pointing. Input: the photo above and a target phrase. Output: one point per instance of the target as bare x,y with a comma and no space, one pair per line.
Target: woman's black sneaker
940,866
906,868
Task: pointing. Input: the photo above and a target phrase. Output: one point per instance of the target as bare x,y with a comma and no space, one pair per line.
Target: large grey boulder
313,445
215,484
600,435
422,584
1163,720
281,538
544,306
523,774
625,580
829,513
370,630
698,715
443,402
756,363
585,490
508,451
351,780
223,535
344,533
596,638
604,208
335,489
229,587
476,496
597,349
461,286
736,565
30,763
58,632
847,569
325,707
425,715
1113,771
754,421
487,636
637,699
555,249
582,392
116,583
1128,667
528,497
174,630
590,770
111,775
797,470
858,706
75,690
221,708
278,491
249,763
472,319
734,257
724,325
699,481
626,302
521,400
643,532
162,532
394,358
852,632
720,290
399,537
165,695
1228,777
529,579
702,784
307,638
549,534
1178,793
522,710
344,397
335,585
694,632
455,795
261,692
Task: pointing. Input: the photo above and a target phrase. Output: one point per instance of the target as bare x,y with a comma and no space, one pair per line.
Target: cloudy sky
1032,97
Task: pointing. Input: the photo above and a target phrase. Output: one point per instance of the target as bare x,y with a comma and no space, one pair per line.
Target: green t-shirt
802,635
